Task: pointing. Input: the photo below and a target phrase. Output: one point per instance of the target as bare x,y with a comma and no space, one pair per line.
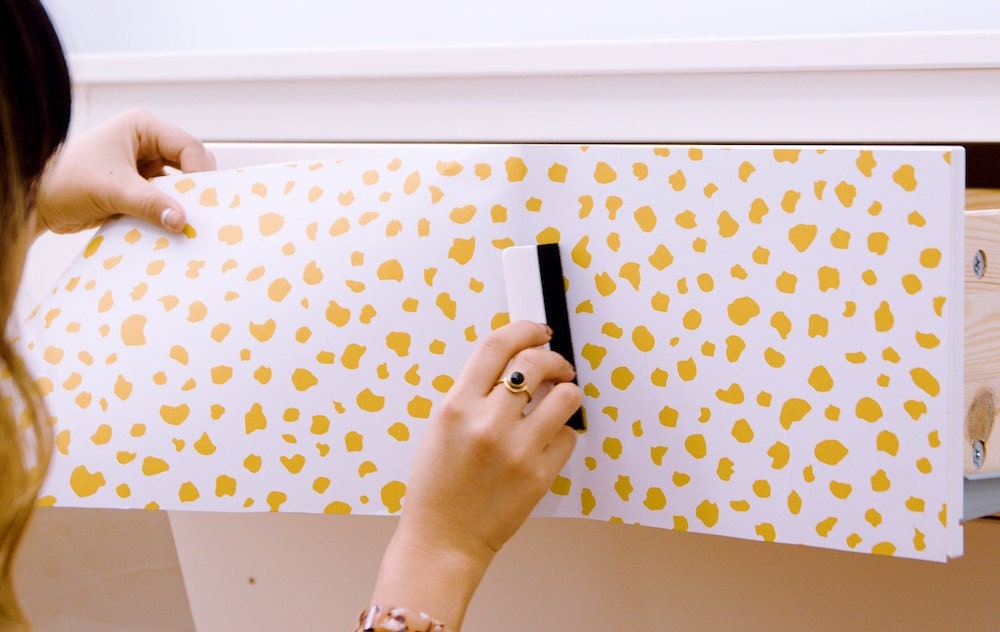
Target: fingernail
172,219
548,330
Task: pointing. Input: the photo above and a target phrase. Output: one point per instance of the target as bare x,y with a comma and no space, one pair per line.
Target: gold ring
515,383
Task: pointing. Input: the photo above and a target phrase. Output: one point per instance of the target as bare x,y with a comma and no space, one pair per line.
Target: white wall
98,26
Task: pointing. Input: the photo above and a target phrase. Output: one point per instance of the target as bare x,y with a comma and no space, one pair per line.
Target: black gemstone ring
515,383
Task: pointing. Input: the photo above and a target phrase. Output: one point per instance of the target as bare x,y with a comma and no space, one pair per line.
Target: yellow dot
905,177
304,379
580,255
746,169
734,348
846,193
255,419
687,369
781,324
623,487
605,284
807,474
868,409
786,282
742,310
204,445
840,239
793,410
866,162
270,223
840,490
660,302
461,251
264,331
912,284
925,381
645,218
677,180
930,257
604,174
225,486
668,417
873,517
830,451
732,395
448,167
725,469
655,499
174,415
880,481
780,454
887,442
84,483
696,446
686,219
758,209
151,466
692,319
727,225
708,513
390,270
794,503
762,488
820,379
188,492
742,431
884,319
420,407
642,338
802,235
824,528
369,401
878,243
630,272
819,326
392,495
761,255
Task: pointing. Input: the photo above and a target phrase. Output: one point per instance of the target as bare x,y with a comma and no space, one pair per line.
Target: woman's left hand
103,172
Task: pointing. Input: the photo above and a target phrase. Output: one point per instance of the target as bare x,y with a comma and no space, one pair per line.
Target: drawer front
768,338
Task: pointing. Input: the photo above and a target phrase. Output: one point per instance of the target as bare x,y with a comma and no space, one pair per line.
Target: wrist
429,577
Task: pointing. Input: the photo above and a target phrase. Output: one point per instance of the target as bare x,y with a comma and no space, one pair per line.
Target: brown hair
34,117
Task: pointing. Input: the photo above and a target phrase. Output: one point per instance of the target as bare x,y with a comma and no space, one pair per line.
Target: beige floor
110,571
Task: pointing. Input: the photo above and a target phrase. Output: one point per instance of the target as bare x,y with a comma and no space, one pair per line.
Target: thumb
142,200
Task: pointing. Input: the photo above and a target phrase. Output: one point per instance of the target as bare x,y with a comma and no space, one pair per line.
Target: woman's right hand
481,468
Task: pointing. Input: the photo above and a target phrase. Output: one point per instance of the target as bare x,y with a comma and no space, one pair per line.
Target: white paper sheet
766,337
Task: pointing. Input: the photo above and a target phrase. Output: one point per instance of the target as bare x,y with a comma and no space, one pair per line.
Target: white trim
900,51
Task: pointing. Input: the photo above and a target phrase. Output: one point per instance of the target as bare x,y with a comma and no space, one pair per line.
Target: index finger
491,355
159,139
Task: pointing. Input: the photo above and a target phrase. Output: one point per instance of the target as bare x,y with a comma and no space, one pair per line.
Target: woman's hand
103,172
481,468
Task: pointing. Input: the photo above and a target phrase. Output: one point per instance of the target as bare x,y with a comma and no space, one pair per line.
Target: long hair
34,118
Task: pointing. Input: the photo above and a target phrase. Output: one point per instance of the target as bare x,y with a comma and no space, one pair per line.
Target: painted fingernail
172,219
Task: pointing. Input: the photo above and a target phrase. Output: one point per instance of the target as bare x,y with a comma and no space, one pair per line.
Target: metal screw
979,264
978,453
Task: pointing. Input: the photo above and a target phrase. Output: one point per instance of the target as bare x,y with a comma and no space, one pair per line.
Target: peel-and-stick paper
768,339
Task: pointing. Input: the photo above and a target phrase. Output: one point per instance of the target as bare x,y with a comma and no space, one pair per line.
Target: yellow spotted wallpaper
768,339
